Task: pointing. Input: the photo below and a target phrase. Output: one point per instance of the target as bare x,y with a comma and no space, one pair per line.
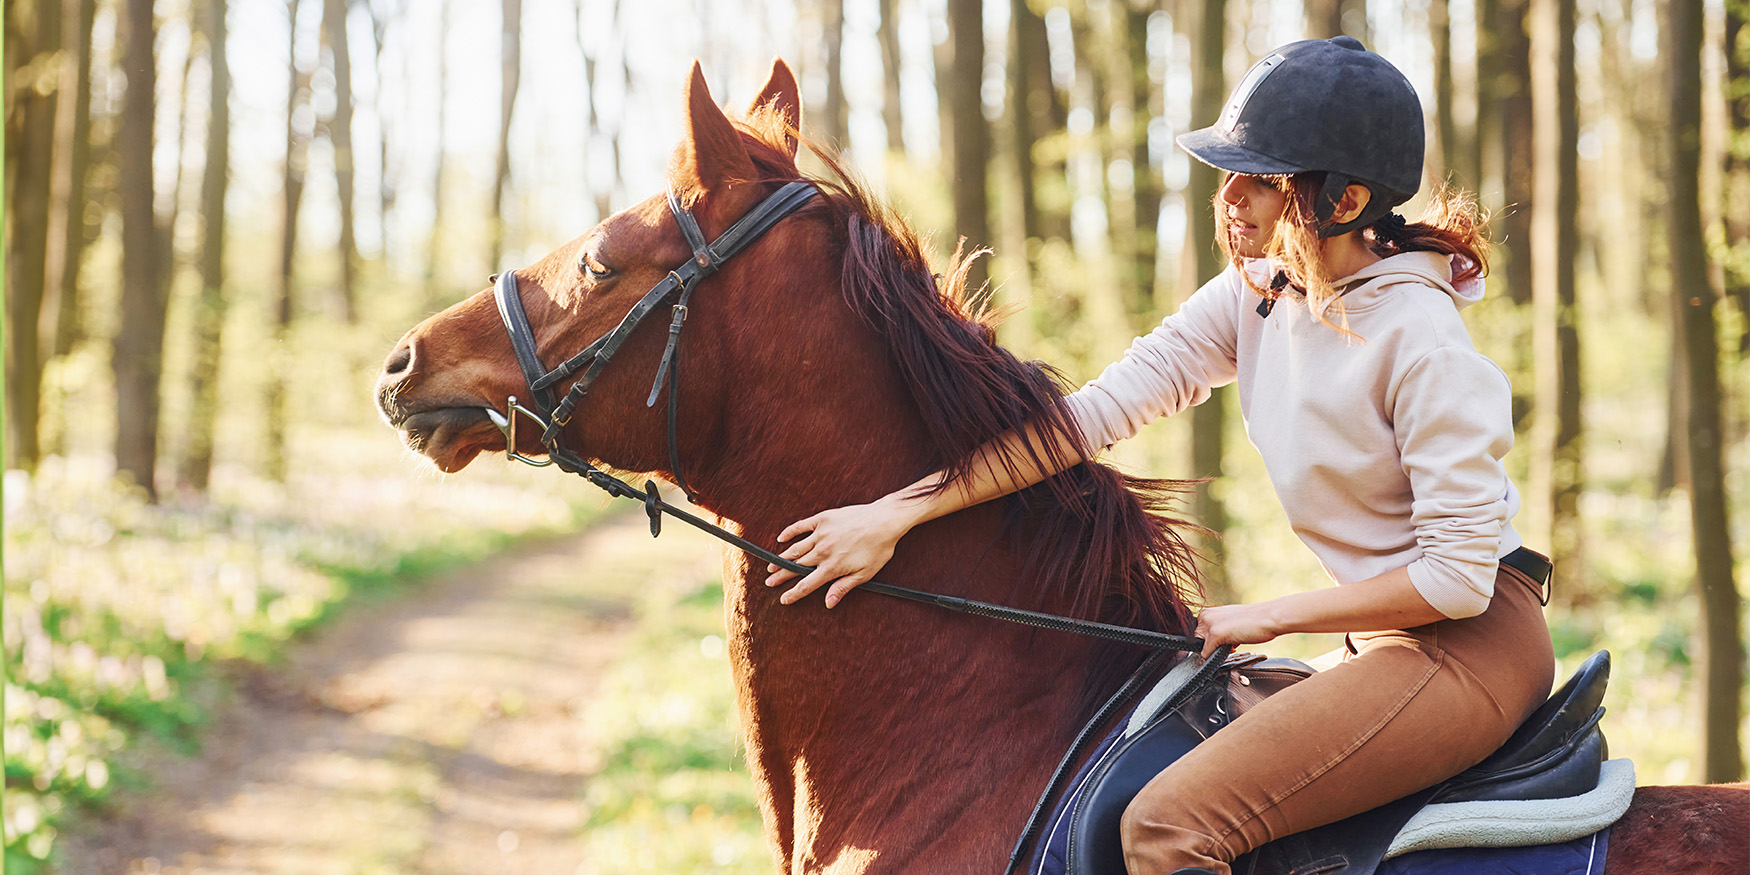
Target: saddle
1557,753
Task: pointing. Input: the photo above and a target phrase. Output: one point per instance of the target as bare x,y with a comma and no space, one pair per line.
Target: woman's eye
593,267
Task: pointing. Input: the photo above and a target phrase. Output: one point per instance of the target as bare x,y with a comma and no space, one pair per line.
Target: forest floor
443,731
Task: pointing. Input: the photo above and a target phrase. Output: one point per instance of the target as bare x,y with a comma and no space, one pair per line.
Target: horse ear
711,156
782,95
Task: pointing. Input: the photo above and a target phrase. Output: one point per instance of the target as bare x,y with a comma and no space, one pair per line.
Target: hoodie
1385,449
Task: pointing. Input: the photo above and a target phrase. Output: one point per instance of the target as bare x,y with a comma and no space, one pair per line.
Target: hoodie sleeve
1452,414
1165,371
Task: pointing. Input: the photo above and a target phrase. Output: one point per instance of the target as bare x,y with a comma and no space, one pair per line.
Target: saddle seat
1556,754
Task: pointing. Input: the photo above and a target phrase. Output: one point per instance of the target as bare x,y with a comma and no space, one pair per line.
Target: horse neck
869,725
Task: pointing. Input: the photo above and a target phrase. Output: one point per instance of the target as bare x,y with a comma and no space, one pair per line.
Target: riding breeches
1405,710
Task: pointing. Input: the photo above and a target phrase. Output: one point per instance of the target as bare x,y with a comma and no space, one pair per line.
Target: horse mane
1100,544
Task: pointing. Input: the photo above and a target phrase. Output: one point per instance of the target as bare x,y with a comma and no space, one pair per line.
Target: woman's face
1251,205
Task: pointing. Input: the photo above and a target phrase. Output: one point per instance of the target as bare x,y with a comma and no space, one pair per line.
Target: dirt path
443,732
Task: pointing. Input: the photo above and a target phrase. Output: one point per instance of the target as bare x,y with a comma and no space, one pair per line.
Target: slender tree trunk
385,178
1147,187
1201,264
435,243
210,307
1030,90
334,31
971,147
1735,206
1558,459
891,113
511,65
1447,148
33,38
1722,662
1329,18
1512,90
139,343
292,189
60,316
832,13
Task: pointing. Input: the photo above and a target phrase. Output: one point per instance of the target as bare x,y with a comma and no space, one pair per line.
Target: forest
220,214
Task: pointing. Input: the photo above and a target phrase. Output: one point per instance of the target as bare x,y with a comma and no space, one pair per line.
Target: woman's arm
848,545
1388,601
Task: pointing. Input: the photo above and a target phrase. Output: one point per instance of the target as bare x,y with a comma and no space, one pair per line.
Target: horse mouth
449,436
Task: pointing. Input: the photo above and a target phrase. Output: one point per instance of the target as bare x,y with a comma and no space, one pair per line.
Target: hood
1429,268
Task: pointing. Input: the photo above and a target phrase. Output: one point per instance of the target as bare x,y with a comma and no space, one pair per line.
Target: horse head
445,383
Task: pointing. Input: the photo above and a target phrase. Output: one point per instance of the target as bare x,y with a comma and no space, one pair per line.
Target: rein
554,415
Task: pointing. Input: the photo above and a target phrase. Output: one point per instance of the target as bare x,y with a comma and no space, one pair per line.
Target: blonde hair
1452,224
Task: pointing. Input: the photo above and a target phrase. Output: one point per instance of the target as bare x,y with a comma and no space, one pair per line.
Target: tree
1201,264
209,315
1557,459
971,150
832,14
283,305
139,342
511,64
340,134
33,38
67,220
888,33
1722,656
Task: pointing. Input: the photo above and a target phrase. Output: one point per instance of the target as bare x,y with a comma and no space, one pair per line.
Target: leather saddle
1556,753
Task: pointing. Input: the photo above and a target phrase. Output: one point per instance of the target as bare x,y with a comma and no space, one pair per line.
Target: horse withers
827,365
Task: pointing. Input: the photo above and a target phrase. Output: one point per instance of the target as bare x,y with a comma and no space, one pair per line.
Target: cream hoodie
1384,451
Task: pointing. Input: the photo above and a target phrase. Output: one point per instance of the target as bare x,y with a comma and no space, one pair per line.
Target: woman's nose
1230,191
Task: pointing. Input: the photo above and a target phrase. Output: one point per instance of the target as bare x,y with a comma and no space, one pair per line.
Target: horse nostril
399,360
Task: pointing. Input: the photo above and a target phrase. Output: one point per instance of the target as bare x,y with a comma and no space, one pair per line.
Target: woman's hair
1452,224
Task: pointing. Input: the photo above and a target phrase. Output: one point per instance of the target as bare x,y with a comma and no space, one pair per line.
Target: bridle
555,415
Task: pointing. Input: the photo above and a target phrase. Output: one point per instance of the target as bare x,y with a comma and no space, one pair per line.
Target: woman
1382,430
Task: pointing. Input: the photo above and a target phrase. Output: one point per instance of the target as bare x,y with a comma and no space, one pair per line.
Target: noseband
554,416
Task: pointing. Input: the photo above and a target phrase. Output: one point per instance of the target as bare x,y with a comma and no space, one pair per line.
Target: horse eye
594,268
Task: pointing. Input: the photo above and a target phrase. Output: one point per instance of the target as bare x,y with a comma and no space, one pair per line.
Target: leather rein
554,415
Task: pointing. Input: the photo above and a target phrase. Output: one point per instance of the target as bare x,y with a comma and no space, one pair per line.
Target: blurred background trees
217,222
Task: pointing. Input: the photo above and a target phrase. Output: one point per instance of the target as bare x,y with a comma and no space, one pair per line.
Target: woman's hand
846,546
1236,624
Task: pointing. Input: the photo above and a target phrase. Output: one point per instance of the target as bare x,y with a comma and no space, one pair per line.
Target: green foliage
673,793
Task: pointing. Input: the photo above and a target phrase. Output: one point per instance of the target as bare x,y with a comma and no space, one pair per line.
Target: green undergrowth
120,614
673,792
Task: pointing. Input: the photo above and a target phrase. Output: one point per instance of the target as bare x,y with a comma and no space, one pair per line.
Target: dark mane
1100,544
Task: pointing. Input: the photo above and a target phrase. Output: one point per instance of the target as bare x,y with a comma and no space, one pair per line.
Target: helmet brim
1214,147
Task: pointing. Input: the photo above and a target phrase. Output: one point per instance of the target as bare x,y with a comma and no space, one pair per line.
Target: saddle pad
1517,824
1581,856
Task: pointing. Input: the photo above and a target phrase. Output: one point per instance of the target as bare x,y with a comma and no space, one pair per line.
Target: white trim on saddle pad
1518,824
1164,689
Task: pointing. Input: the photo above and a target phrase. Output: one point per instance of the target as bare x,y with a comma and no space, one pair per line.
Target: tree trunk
891,114
139,342
1201,264
833,114
67,231
971,143
435,242
292,188
385,179
33,39
1147,187
1030,92
1512,92
334,33
1329,18
1447,148
210,307
511,65
1735,206
1557,460
1722,659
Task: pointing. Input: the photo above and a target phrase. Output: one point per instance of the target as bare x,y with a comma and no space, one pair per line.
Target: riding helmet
1322,105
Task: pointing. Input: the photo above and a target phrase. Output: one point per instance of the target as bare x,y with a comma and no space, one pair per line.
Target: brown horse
823,366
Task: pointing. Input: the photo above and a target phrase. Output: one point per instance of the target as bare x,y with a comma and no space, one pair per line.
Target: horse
827,365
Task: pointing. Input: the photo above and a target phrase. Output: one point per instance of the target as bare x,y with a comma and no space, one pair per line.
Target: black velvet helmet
1322,105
